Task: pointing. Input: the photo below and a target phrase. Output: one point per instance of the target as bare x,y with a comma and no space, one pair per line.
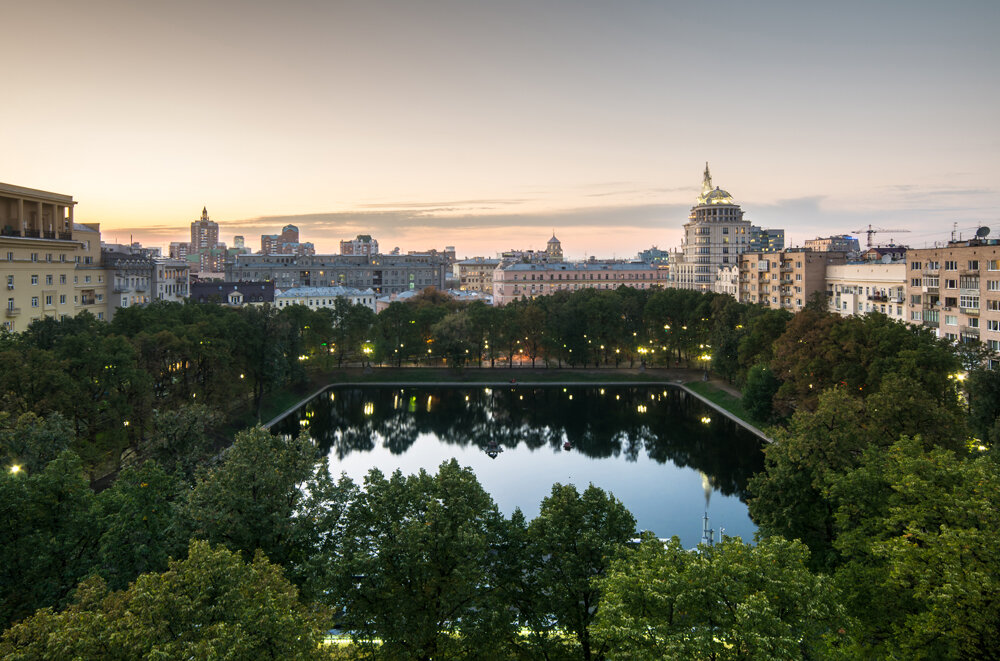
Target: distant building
654,256
476,274
362,244
171,279
179,250
130,276
520,280
884,254
286,243
837,243
727,280
385,274
204,233
855,289
785,280
955,290
239,242
766,240
324,297
49,264
553,250
235,294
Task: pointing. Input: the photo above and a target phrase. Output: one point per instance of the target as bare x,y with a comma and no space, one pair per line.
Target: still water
663,453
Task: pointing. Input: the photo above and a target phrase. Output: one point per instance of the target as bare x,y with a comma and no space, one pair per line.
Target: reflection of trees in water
599,422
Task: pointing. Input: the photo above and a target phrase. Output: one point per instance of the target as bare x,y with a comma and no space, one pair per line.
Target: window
932,281
969,301
62,299
34,301
993,285
994,345
48,257
48,278
86,278
914,299
973,322
48,300
973,264
34,256
34,279
951,336
992,265
969,282
950,265
10,257
915,315
62,278
951,284
993,306
951,320
915,282
915,266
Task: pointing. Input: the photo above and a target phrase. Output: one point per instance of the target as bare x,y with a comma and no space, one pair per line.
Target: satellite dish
982,232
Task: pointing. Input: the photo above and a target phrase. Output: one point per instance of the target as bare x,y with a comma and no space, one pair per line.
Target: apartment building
870,287
49,264
476,274
785,280
955,290
513,281
171,279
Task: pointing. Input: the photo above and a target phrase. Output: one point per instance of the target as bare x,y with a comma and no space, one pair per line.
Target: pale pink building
514,281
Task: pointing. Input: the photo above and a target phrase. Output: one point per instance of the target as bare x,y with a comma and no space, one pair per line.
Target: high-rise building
715,235
766,240
204,233
286,243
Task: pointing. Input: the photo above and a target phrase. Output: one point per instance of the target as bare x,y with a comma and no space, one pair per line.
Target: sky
491,125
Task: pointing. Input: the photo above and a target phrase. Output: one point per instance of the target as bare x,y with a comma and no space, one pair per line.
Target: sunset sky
489,125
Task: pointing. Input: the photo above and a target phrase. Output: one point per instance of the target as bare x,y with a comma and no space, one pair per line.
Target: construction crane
874,230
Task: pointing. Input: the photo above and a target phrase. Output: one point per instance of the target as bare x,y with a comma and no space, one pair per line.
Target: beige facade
785,280
524,281
49,265
324,297
863,288
956,291
727,281
171,279
714,236
476,274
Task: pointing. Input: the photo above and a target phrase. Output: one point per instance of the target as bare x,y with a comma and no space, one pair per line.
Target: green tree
417,566
247,502
182,438
758,393
918,533
210,605
138,519
731,600
49,535
32,442
572,542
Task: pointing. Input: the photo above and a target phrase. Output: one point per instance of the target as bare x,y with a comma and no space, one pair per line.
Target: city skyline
488,127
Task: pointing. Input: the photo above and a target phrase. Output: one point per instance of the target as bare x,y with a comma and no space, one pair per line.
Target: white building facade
324,297
863,288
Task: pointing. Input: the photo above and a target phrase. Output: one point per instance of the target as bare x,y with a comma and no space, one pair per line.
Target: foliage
416,565
758,393
247,501
571,543
207,606
731,600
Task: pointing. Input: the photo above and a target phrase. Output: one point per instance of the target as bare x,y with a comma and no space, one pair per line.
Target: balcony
13,312
930,323
88,300
970,311
972,331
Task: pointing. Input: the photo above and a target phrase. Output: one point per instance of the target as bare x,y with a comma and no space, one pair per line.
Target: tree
138,519
758,393
731,600
416,570
49,536
32,442
181,438
983,386
210,605
247,502
571,543
918,533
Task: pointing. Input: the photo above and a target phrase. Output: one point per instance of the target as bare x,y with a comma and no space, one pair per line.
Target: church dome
553,239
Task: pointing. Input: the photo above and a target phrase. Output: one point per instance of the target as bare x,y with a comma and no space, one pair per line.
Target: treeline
883,473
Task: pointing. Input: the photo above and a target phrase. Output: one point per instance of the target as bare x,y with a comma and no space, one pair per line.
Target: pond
662,452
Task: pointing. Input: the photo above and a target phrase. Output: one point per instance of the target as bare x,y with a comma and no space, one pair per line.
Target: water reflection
665,425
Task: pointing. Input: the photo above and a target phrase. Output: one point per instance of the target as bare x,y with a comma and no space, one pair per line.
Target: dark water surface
662,452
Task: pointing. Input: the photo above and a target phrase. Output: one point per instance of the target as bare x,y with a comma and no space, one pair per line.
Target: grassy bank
719,396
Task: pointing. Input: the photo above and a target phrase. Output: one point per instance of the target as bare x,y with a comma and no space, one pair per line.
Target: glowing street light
15,469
